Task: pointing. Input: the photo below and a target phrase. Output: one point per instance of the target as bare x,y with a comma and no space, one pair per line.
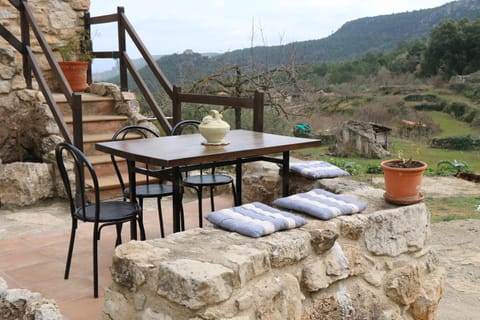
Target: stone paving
33,247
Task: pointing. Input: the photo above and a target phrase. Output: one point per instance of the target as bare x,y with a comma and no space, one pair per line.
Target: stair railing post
77,120
122,48
258,110
77,136
176,105
88,29
27,70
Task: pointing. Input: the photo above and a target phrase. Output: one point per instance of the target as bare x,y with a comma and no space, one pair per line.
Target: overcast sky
168,27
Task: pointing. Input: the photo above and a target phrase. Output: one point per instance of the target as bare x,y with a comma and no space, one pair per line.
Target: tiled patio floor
33,254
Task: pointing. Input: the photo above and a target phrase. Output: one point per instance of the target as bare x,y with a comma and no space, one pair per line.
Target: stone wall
59,20
357,138
23,304
27,132
373,265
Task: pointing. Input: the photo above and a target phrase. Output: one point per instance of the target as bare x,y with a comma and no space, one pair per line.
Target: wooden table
184,152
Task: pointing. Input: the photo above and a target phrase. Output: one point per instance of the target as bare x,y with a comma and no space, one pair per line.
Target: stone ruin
356,138
374,265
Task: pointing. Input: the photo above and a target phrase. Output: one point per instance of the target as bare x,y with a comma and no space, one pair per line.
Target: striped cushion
254,219
320,204
317,169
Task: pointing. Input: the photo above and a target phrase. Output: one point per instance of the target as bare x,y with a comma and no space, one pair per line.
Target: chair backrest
76,188
131,132
185,126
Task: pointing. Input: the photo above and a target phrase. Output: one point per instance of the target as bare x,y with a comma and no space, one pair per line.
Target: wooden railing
30,65
174,93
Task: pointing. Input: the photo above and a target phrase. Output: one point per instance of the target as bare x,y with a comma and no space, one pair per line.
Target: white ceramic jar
213,128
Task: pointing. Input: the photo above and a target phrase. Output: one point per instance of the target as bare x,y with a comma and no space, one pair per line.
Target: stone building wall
25,121
373,265
357,138
59,20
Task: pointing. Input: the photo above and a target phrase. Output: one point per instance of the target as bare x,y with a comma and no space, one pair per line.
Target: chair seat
150,190
110,211
207,180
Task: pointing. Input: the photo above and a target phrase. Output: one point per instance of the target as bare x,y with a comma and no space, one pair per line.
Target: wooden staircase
99,124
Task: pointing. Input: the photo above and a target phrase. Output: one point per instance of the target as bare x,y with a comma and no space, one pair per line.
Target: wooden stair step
101,159
110,187
97,118
97,137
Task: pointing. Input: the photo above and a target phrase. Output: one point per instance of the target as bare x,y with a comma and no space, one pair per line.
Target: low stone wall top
373,265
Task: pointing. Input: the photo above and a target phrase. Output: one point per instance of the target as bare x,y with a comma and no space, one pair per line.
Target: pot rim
384,164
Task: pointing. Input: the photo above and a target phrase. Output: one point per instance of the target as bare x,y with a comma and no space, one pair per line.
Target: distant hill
353,39
357,37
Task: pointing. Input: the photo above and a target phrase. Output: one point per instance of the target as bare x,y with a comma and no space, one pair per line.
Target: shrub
467,142
458,109
349,166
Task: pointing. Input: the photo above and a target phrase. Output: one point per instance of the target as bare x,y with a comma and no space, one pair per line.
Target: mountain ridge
353,39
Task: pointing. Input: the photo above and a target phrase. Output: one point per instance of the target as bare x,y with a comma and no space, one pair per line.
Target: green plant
374,169
76,48
349,166
407,163
451,168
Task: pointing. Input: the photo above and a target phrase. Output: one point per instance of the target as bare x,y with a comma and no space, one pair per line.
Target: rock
116,306
425,305
323,271
24,304
322,240
403,285
194,284
24,183
263,180
396,231
287,247
352,227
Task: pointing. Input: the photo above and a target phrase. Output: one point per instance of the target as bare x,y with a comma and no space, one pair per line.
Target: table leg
285,173
177,199
238,182
132,185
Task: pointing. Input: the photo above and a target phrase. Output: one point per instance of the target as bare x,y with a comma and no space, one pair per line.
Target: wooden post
122,48
87,34
27,69
258,110
77,120
176,105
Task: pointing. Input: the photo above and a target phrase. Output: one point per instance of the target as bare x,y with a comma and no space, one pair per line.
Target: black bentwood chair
150,189
198,182
100,213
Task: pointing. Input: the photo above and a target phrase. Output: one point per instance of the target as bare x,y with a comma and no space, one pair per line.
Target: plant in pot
403,180
76,58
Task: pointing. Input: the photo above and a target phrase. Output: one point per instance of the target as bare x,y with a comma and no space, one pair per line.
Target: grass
456,207
453,208
452,127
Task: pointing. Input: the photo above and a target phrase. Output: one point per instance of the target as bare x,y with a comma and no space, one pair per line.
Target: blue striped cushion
317,169
254,219
320,204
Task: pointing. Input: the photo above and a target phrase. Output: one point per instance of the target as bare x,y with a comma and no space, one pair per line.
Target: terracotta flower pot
403,185
76,74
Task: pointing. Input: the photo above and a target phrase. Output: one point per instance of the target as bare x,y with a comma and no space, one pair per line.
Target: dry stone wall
373,265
